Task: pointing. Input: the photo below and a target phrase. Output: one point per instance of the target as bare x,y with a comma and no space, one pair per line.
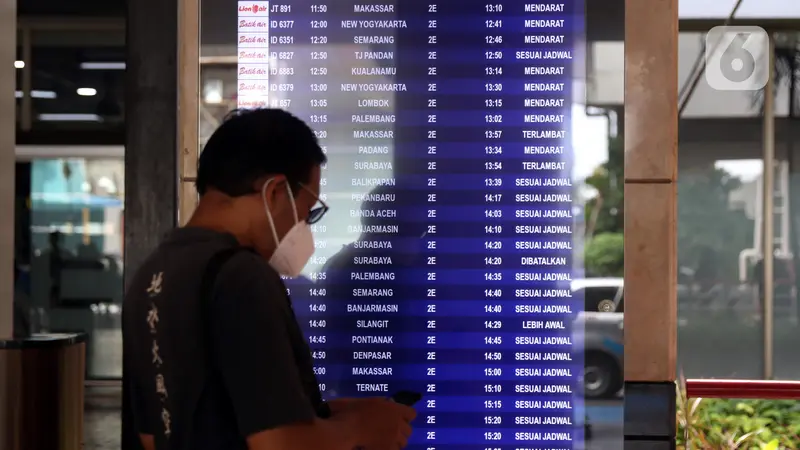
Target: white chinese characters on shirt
152,323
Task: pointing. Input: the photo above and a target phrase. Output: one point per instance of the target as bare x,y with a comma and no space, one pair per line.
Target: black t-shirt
254,375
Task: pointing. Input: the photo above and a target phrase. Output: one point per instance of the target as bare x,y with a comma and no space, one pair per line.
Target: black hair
374,200
252,143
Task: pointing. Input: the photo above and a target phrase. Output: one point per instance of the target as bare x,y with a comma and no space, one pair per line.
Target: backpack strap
207,291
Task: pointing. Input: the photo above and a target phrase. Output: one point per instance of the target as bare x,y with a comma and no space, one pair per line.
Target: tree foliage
711,232
605,212
604,255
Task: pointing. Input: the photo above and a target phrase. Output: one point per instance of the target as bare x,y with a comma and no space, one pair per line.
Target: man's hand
378,422
340,404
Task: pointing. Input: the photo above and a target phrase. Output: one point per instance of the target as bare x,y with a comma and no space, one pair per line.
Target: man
243,378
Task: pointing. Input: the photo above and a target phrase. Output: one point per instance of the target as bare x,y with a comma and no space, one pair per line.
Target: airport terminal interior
70,185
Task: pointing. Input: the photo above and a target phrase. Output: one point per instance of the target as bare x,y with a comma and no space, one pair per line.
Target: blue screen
445,263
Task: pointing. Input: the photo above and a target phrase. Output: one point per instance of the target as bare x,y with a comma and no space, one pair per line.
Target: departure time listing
447,268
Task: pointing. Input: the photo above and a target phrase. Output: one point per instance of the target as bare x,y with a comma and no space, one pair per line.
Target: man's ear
271,187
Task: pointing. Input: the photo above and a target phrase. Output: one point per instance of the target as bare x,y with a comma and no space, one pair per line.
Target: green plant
730,424
605,255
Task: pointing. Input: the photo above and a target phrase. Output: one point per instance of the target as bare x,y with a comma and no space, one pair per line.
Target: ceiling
79,8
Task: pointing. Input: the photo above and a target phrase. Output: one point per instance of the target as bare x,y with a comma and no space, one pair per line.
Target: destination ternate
372,387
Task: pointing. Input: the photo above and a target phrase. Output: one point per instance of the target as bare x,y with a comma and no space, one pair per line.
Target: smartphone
407,398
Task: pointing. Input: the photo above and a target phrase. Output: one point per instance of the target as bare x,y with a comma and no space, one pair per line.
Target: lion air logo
254,8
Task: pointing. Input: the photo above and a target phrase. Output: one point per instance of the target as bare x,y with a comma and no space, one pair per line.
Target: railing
755,389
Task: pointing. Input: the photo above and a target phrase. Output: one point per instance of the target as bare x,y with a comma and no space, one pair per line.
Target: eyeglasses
318,212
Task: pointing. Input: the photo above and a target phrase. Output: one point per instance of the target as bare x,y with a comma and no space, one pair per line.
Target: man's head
377,199
259,164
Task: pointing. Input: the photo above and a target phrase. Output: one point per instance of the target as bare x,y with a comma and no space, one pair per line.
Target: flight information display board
445,263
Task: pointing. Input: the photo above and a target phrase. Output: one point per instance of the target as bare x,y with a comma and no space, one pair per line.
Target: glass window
719,218
786,205
76,85
719,319
75,275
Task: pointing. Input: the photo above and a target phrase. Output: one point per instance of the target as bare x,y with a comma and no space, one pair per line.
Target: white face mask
295,249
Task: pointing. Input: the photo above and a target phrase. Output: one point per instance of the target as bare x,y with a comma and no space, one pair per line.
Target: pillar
151,162
8,81
651,138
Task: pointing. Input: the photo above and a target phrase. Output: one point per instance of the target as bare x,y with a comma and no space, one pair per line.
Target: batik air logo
253,89
252,39
253,25
259,71
248,55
